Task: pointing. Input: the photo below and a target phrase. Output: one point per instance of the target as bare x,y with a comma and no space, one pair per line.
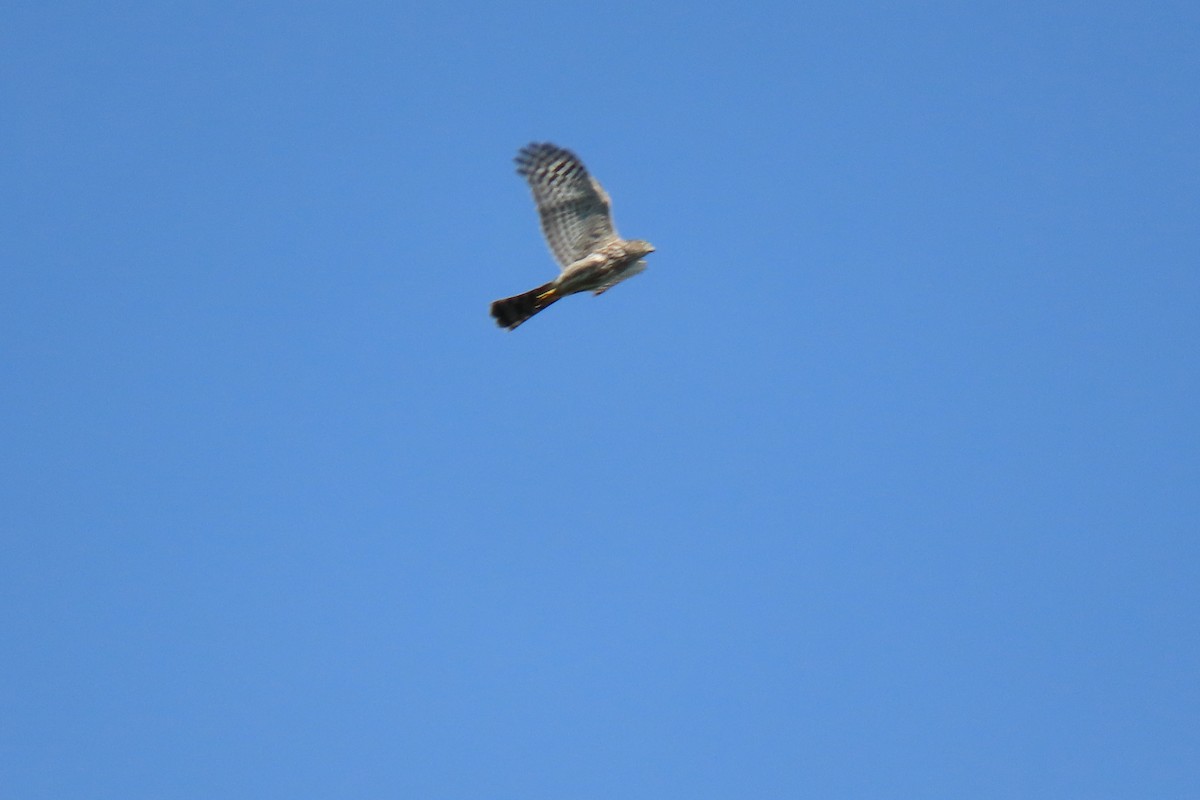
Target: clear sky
883,481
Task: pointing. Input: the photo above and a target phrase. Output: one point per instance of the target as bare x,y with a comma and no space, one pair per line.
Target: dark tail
512,311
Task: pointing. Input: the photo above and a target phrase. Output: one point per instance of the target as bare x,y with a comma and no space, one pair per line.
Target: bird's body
577,222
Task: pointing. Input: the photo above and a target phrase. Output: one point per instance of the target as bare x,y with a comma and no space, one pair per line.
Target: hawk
577,223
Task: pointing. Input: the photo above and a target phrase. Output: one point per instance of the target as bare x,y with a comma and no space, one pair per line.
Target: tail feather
512,311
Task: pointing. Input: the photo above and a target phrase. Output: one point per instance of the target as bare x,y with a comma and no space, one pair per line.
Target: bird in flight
577,222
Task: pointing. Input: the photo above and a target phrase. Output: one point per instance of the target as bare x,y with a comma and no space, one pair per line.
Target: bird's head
639,247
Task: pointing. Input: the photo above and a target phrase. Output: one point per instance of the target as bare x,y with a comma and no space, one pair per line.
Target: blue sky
882,481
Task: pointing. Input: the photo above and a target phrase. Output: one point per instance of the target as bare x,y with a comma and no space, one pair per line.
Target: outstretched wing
573,206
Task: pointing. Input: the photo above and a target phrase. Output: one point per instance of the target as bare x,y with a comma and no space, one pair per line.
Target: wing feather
574,209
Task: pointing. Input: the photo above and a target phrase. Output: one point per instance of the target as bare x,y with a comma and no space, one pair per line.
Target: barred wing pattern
574,208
